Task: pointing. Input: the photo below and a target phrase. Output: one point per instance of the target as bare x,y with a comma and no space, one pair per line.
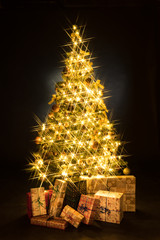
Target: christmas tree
77,139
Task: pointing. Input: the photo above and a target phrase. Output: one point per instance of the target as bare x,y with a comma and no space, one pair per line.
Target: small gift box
72,196
48,194
58,223
110,206
38,201
72,216
56,202
39,220
87,207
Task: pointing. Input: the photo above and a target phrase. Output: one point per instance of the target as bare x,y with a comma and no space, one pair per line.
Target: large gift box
122,184
38,201
72,196
56,202
87,207
72,216
48,194
110,207
45,221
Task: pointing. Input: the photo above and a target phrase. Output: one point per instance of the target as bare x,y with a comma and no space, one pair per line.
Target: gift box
39,220
58,223
57,199
48,194
122,184
110,207
38,201
87,207
72,196
45,221
72,216
82,186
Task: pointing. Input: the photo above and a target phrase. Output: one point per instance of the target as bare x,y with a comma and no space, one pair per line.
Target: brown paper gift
56,202
38,201
45,221
39,220
110,206
72,216
58,223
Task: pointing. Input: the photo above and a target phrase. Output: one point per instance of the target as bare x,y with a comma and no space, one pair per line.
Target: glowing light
79,125
64,174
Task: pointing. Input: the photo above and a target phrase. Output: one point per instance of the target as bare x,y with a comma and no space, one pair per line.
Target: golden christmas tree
77,139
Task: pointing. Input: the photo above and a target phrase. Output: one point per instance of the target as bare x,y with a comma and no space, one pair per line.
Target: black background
126,44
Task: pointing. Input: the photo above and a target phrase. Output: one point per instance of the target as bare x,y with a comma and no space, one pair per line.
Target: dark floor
144,224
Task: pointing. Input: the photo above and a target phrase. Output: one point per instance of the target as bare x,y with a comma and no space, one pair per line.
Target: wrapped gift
56,202
48,194
72,196
39,220
38,201
58,223
122,184
88,207
110,207
82,186
72,216
45,221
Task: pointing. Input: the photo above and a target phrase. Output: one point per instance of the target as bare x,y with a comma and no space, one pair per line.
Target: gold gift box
38,201
72,216
110,207
56,202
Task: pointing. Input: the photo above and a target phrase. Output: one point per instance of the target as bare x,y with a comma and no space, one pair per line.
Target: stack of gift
122,184
104,199
38,205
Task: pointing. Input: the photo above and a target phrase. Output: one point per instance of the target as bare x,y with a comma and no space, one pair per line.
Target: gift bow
84,208
56,189
39,202
105,210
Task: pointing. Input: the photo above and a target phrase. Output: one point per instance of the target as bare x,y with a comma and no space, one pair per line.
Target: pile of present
90,199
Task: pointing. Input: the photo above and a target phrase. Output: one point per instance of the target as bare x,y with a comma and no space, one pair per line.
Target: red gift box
48,194
87,207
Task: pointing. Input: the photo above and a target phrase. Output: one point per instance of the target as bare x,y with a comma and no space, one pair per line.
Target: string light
85,142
